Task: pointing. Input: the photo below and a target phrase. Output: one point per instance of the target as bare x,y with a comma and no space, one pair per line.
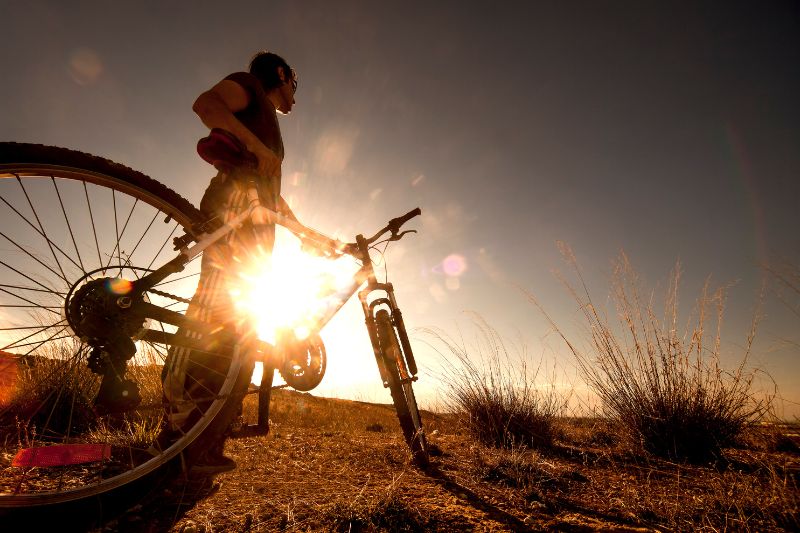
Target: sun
290,289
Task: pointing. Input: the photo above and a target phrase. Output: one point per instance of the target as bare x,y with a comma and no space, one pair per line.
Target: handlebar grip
396,223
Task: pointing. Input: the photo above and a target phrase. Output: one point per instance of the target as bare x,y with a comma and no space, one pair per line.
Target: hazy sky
670,130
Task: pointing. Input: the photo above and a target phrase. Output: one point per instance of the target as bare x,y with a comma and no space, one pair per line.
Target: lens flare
290,290
9,378
454,265
119,285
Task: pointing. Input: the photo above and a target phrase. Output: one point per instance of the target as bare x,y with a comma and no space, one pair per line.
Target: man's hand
269,166
321,246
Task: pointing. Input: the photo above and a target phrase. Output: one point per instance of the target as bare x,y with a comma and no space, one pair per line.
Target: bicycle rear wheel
405,402
79,226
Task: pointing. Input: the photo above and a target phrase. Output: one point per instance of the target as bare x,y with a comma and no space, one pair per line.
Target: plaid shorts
193,377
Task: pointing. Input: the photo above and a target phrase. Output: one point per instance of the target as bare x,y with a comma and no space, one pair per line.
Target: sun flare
291,290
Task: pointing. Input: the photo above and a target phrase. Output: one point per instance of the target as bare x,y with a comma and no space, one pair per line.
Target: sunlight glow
290,290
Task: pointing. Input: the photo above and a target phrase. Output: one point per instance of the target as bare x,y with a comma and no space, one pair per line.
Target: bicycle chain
168,295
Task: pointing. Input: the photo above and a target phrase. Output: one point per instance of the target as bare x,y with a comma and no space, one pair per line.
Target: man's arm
312,241
216,108
285,210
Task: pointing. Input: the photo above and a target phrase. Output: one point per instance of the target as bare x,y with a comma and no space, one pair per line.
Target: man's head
277,77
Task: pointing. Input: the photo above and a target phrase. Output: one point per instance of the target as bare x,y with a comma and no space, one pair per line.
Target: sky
667,130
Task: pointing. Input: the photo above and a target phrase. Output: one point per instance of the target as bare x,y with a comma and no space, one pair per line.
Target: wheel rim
58,224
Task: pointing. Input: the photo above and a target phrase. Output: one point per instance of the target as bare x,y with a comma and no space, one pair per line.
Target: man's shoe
212,464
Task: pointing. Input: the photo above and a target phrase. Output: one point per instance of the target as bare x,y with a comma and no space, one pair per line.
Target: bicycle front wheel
399,382
76,228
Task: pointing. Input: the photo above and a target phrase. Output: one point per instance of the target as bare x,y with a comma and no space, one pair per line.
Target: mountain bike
98,263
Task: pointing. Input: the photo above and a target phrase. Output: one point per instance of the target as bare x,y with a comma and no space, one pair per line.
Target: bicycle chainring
304,362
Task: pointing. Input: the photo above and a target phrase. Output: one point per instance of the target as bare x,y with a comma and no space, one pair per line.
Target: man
245,105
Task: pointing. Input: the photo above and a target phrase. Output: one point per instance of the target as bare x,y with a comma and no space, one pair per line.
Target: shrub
668,389
497,400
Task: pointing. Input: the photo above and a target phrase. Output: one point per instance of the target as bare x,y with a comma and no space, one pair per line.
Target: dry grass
787,279
53,399
52,394
497,396
666,384
320,469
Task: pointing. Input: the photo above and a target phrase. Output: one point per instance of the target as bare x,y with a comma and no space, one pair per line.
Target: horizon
668,132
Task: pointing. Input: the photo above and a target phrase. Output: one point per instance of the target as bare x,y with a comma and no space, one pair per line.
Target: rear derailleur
106,318
117,394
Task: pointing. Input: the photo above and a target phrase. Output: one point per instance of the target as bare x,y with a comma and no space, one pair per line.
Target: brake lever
398,236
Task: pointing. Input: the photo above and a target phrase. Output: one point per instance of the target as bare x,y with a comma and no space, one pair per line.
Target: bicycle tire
63,177
402,392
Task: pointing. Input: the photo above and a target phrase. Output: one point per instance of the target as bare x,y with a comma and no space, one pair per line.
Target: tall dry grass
53,399
496,395
665,383
787,280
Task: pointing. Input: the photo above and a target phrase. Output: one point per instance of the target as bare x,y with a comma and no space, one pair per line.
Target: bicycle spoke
178,279
116,231
61,294
158,253
36,215
45,287
41,329
130,255
35,304
37,230
38,343
94,228
26,252
119,237
69,226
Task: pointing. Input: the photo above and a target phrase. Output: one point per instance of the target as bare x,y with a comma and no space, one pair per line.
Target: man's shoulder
246,80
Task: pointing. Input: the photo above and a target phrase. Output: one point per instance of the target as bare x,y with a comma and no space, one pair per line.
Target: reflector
61,455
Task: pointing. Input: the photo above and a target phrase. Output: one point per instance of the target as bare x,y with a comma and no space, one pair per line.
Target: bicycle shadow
463,493
164,505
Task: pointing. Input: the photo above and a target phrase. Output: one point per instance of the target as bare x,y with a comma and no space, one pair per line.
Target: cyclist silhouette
241,111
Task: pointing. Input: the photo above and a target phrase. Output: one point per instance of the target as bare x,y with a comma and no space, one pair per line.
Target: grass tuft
385,514
498,401
667,388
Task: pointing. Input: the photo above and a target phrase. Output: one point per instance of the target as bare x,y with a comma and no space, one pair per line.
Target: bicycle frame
366,274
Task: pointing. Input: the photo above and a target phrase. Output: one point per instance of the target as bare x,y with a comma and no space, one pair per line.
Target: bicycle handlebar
396,223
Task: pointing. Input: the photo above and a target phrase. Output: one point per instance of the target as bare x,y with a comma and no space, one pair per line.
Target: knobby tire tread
26,153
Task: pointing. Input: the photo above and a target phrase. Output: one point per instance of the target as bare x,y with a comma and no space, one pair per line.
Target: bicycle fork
404,358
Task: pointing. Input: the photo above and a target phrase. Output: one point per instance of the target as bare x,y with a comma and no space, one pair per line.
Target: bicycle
85,346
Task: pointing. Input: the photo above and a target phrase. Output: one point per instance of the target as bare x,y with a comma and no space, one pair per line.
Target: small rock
537,506
189,527
435,432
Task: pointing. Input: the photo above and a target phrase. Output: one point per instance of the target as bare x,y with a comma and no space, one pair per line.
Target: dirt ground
336,465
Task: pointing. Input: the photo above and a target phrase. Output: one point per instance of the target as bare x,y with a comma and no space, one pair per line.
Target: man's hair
264,66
